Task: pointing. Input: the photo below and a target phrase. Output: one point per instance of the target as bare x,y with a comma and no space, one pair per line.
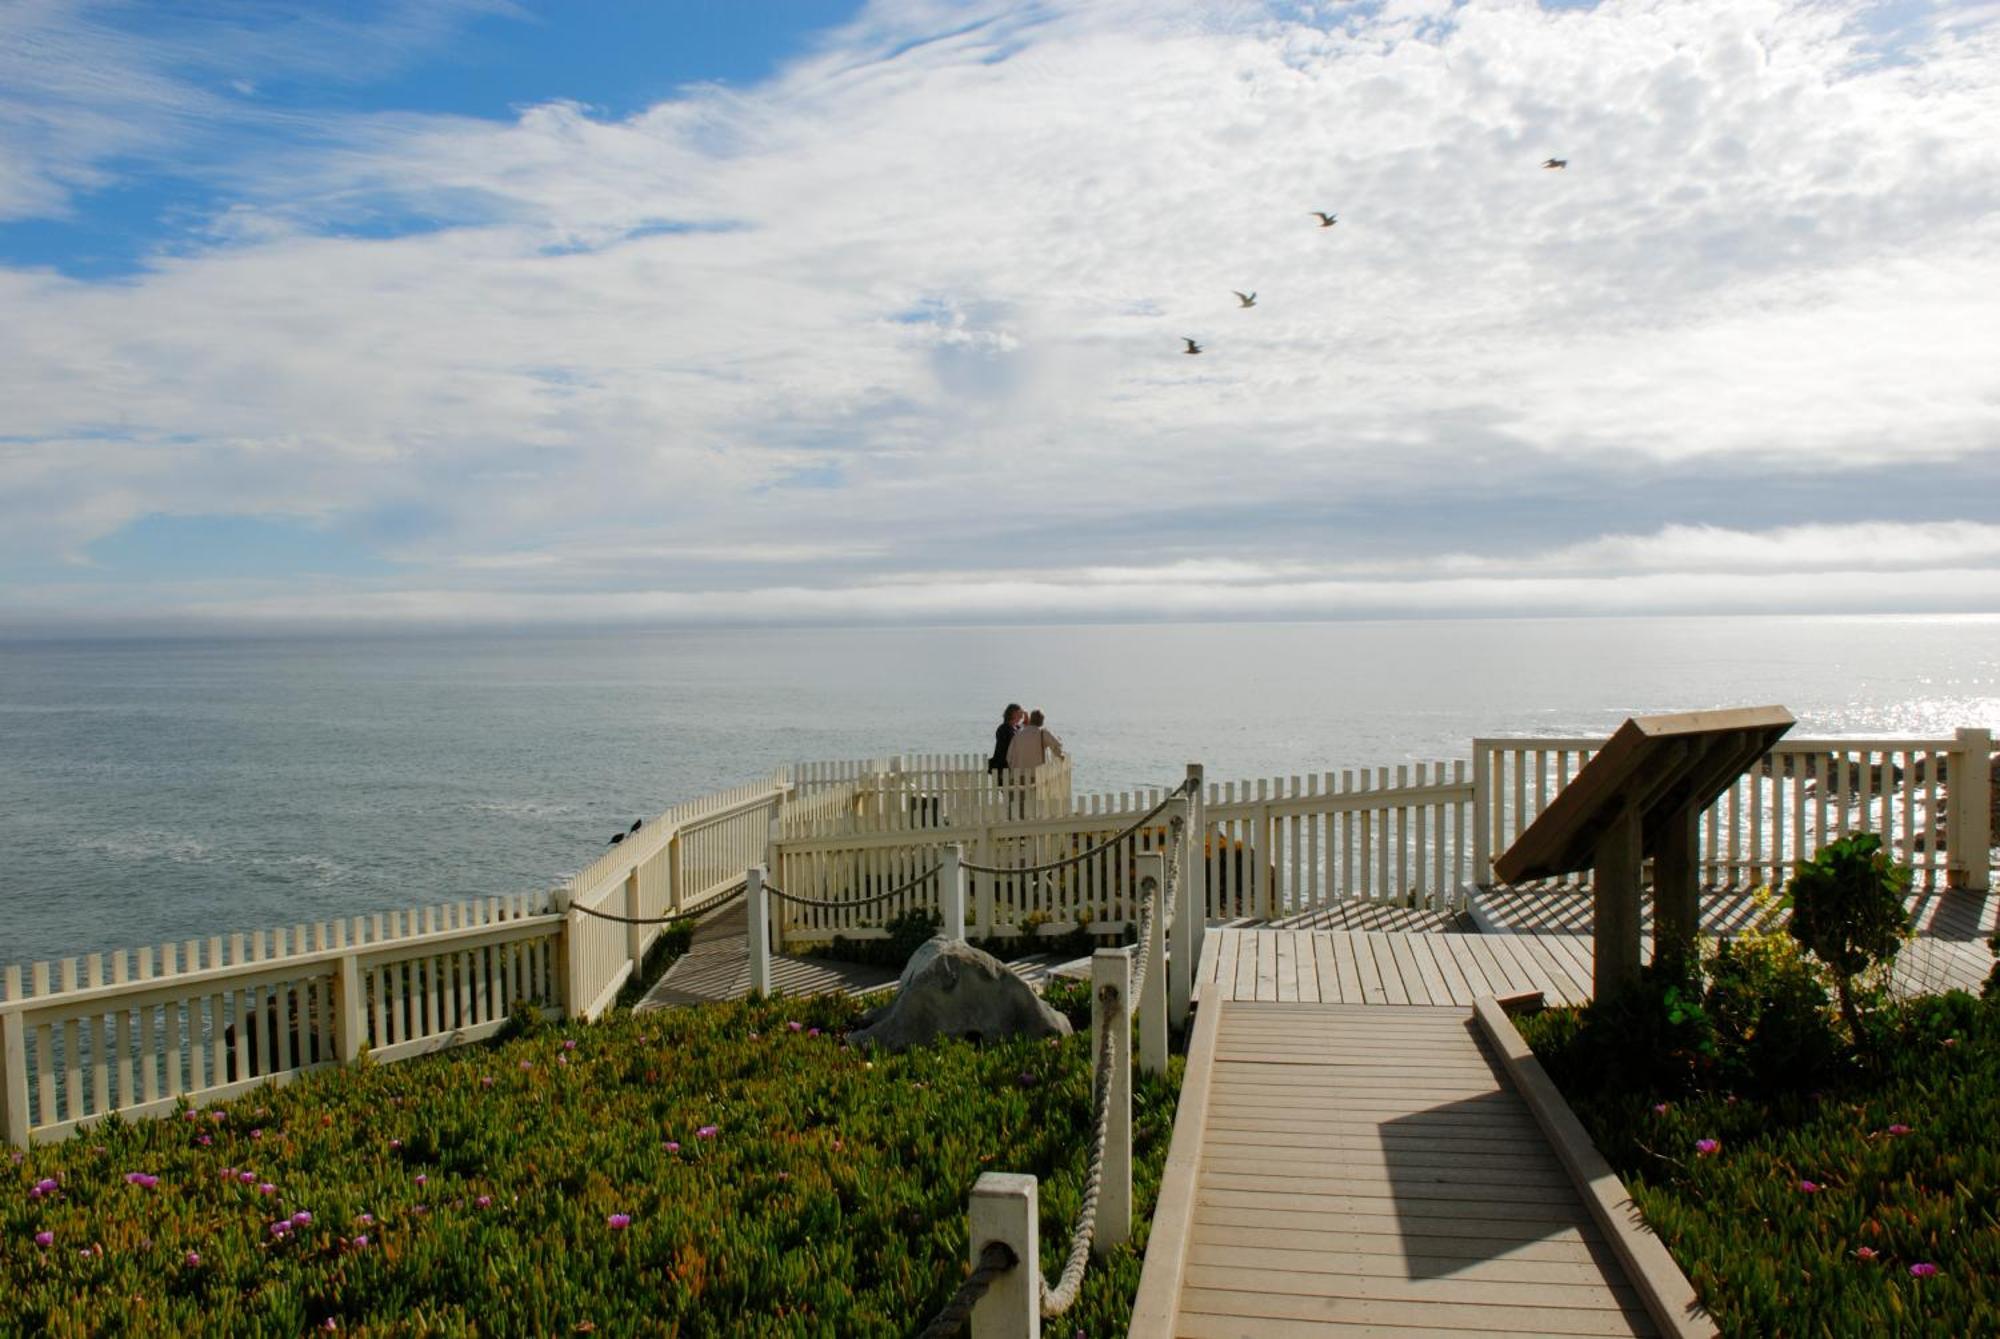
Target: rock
951,989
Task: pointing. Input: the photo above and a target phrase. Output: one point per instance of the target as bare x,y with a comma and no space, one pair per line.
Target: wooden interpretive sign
1642,795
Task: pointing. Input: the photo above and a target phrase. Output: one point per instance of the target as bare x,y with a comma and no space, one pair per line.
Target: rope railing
1062,1296
995,1259
714,904
1064,862
799,900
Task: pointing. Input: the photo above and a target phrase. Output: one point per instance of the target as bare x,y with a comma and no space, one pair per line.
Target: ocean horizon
157,789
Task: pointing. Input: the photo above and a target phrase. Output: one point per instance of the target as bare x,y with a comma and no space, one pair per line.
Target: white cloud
916,305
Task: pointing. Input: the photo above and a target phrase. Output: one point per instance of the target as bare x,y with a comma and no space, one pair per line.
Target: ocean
157,790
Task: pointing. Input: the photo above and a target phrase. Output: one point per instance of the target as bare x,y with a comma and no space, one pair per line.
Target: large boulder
951,989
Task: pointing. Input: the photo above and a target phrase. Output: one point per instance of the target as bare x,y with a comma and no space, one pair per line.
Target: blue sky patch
180,548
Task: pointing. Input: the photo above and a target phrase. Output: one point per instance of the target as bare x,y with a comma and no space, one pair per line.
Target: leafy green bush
1654,1036
1847,911
1991,990
1771,1020
1863,1207
731,1169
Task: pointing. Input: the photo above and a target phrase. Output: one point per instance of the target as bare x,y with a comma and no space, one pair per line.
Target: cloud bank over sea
891,330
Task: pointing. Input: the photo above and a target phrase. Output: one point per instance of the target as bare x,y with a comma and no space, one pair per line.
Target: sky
430,314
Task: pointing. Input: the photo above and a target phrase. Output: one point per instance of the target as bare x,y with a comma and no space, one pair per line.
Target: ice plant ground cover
726,1169
1865,1204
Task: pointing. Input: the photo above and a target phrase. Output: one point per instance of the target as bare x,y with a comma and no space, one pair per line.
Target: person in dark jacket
1003,738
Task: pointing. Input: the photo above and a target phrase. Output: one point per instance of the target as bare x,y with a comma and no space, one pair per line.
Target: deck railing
1806,792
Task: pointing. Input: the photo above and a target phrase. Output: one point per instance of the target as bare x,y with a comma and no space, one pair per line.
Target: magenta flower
218,1117
395,1143
673,1146
1899,1129
812,1032
45,1239
1809,1187
1659,1108
569,1043
142,1179
1865,1253
562,1060
708,1132
256,1134
1707,1147
267,1189
484,1201
1923,1269
422,1178
246,1177
280,1228
362,1241
795,1025
486,1081
192,1259
618,1222
203,1140
364,1218
527,1064
48,1185
303,1218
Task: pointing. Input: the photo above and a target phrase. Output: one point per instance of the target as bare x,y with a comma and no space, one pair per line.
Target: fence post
674,878
1482,814
569,956
951,890
351,1031
14,1077
982,886
1153,990
1188,910
1006,1208
771,856
635,935
1968,828
760,930
1111,1025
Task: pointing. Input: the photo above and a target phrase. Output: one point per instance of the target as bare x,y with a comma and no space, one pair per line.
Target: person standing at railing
1011,721
1033,745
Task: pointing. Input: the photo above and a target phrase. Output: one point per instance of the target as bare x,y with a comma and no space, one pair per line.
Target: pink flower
302,1218
362,1241
484,1201
755,1036
246,1177
1659,1108
256,1134
364,1218
267,1189
203,1140
708,1132
141,1179
395,1143
218,1117
1865,1253
486,1081
422,1178
795,1025
562,1059
1809,1187
812,1032
1899,1129
618,1222
280,1228
673,1146
527,1064
192,1260
45,1239
569,1043
1923,1269
1707,1147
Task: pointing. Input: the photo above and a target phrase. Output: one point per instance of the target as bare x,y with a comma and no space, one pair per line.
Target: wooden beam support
1615,904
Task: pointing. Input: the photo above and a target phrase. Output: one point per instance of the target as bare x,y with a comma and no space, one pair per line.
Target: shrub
1653,1036
1847,911
1771,1016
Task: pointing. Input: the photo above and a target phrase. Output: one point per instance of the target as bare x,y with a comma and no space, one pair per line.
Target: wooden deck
1367,1169
1565,909
1253,963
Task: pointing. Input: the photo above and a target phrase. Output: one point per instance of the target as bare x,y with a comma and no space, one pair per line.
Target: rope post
951,891
635,935
1006,1208
350,1025
1111,1025
14,1077
1968,831
760,930
1482,813
1180,963
1153,990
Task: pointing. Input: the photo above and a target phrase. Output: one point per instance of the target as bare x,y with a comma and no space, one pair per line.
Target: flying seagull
1326,220
1192,347
1245,299
1557,163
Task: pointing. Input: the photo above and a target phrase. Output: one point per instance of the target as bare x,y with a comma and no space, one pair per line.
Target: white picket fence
1805,793
136,1031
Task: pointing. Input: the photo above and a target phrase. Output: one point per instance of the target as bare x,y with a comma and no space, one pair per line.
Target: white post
14,1078
1006,1208
951,891
760,930
674,878
1111,1025
635,935
1482,814
771,856
352,1031
1153,990
1198,853
1969,827
570,955
1180,963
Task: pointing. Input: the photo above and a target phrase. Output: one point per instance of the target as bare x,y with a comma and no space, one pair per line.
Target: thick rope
701,910
995,1259
1097,850
867,901
1058,1299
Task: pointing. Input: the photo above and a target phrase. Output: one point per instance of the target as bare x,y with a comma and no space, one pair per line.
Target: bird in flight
1245,299
1326,220
1557,163
1192,347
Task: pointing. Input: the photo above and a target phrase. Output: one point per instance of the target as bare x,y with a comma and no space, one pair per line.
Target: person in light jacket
1034,745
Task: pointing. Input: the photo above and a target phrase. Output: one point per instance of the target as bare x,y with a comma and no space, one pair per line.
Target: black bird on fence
1326,220
616,837
637,823
1556,163
1192,347
1244,299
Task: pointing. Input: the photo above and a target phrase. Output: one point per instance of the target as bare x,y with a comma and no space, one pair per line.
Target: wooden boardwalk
1367,1169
